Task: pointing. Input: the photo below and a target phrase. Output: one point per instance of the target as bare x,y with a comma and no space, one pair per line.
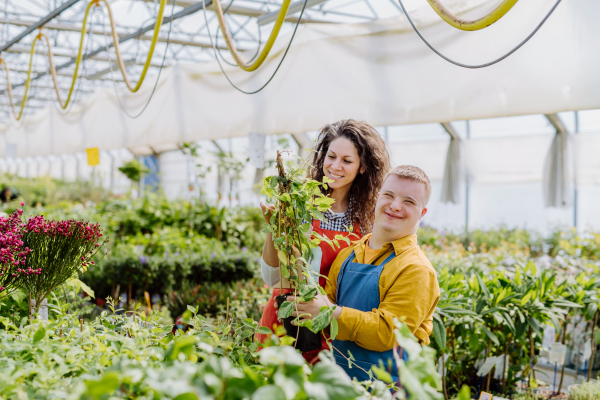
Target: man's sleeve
413,296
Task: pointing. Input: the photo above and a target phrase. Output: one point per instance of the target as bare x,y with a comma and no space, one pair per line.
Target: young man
385,275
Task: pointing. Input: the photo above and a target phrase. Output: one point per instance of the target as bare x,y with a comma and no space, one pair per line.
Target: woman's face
342,163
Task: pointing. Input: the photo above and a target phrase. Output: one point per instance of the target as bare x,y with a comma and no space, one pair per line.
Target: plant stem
504,373
29,305
593,343
531,355
564,336
444,376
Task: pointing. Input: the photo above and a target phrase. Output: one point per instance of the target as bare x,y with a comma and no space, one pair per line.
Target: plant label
485,396
587,351
487,366
558,353
499,373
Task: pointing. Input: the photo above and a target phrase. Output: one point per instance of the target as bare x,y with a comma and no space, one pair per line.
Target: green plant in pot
297,200
59,249
13,253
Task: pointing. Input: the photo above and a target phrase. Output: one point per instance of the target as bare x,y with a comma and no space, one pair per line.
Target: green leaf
333,329
321,321
483,286
264,330
186,396
308,292
329,381
182,344
526,298
104,385
193,310
439,332
465,393
285,310
39,334
491,335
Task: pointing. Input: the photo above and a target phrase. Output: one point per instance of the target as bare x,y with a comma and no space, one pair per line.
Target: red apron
269,317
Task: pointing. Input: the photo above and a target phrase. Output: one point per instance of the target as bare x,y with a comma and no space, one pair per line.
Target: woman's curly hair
374,157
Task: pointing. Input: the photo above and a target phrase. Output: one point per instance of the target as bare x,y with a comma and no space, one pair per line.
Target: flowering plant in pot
13,253
59,249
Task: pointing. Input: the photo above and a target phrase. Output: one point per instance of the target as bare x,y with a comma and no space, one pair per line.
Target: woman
353,155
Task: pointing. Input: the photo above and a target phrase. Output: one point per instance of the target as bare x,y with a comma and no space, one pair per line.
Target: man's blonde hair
415,174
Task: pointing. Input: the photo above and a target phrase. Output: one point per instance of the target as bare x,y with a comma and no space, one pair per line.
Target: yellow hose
79,58
27,82
285,6
473,25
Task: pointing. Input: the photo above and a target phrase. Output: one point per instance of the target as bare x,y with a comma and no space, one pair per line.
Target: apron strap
316,223
341,274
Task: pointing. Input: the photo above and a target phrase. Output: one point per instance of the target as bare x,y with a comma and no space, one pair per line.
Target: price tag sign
485,396
93,156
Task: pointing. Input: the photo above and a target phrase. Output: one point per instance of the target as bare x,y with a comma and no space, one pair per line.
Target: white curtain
452,173
558,173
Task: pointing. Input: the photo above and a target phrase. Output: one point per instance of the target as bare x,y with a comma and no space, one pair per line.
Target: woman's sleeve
269,274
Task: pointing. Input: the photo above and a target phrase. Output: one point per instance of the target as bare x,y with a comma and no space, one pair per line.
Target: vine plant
297,200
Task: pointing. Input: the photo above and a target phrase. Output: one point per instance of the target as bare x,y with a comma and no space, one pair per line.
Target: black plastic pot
307,339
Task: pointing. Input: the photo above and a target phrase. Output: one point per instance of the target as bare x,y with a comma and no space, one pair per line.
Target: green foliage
133,356
134,170
45,191
586,391
160,273
246,298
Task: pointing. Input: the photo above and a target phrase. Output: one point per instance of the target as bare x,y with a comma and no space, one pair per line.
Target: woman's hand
267,211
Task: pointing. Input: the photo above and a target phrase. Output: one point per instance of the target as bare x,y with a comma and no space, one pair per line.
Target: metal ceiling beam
194,8
41,22
294,8
450,129
556,123
74,28
64,53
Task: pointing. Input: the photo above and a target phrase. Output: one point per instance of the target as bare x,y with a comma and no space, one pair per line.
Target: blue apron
358,288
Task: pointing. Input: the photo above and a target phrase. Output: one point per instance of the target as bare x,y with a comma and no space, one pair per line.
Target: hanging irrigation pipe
285,6
278,65
217,40
537,28
162,64
79,57
472,25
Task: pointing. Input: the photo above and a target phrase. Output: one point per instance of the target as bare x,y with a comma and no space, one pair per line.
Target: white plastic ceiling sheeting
380,72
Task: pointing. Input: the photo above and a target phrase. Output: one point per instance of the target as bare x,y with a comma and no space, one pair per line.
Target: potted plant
13,254
58,250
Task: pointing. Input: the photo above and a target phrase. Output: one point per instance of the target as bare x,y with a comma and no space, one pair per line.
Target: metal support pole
467,186
53,14
575,191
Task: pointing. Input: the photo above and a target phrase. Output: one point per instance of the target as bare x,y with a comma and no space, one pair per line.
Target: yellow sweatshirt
408,287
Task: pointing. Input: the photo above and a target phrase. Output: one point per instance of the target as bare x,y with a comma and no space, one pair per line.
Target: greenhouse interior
310,199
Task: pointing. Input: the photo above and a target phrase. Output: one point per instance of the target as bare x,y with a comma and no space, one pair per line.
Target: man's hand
310,309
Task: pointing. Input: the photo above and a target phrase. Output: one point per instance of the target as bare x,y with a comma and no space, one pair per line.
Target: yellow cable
79,58
285,6
27,82
473,25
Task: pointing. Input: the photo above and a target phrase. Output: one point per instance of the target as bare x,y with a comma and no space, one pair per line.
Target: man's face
400,206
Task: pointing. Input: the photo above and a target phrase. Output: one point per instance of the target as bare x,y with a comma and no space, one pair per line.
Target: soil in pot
307,339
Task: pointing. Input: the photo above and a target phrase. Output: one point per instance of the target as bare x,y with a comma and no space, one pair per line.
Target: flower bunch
59,249
13,254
